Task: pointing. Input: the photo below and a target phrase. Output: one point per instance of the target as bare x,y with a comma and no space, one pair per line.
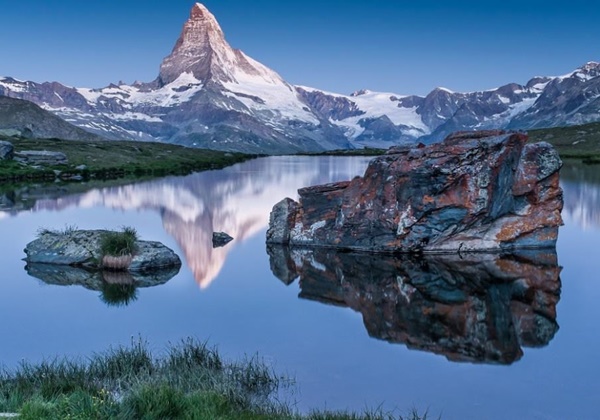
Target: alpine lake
458,337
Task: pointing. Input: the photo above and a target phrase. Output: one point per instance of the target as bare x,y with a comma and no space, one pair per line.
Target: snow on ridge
166,96
20,86
376,105
279,97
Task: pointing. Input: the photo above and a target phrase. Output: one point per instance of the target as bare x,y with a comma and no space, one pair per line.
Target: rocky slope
26,119
208,94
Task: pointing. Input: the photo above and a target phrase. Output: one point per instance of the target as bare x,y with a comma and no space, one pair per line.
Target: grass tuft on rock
119,244
66,231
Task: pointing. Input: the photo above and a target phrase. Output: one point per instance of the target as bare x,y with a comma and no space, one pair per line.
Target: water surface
504,338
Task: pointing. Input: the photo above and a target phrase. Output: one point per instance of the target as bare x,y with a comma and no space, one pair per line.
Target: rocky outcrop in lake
475,191
81,248
480,308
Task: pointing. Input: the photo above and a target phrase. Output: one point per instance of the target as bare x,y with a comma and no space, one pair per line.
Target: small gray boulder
6,150
41,157
220,239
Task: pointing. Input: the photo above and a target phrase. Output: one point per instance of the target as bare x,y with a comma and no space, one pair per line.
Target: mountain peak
199,10
203,52
201,38
201,14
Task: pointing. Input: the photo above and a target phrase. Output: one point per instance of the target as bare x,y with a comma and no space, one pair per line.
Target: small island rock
81,248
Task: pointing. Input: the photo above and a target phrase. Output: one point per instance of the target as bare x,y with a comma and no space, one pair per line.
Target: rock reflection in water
117,288
472,308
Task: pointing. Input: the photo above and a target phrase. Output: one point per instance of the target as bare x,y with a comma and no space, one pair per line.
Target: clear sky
406,47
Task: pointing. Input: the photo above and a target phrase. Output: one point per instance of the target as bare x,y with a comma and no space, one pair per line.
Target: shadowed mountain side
479,308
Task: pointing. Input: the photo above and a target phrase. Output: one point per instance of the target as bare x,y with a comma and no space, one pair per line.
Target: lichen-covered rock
6,150
481,191
81,248
477,307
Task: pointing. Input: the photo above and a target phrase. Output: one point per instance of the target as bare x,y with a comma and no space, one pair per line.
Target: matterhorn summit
202,51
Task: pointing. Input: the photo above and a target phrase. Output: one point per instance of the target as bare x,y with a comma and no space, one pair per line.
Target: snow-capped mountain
208,94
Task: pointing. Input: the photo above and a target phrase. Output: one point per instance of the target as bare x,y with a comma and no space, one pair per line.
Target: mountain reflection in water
236,200
472,308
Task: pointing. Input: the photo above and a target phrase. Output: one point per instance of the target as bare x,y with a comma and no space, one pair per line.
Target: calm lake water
468,339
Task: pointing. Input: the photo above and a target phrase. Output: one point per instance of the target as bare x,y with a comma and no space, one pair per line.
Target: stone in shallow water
220,239
81,248
473,192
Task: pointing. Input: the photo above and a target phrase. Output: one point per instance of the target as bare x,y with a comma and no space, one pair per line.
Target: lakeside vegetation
115,159
189,381
580,142
576,143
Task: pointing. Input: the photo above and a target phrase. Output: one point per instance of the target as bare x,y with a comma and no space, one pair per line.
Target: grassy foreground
116,159
191,381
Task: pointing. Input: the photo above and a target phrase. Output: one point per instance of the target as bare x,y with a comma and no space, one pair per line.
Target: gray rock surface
81,248
6,150
41,157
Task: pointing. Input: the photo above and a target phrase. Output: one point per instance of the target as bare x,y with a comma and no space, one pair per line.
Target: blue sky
406,47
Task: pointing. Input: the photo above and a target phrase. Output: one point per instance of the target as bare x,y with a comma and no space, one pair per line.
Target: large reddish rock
477,307
475,191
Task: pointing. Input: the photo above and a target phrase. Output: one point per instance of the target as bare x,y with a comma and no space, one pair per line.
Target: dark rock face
473,192
479,308
82,249
335,107
6,150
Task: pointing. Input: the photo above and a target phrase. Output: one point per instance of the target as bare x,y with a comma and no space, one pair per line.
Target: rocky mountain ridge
208,94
